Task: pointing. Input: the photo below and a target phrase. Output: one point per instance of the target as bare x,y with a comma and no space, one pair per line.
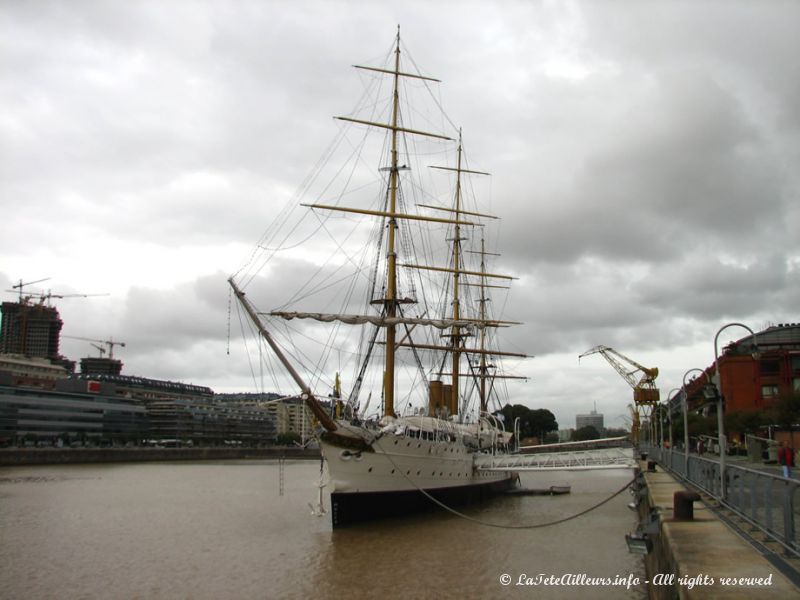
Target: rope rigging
359,268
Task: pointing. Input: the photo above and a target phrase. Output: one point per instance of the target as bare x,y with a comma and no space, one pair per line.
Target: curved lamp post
685,408
669,414
720,399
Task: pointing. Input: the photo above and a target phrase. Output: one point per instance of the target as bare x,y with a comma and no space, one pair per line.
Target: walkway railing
769,502
600,458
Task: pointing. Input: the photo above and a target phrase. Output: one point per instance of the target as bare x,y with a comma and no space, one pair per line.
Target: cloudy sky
643,157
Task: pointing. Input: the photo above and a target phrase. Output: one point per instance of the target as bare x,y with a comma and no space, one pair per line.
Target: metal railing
767,501
600,458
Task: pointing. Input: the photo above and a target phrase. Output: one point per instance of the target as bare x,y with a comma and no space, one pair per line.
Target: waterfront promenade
727,550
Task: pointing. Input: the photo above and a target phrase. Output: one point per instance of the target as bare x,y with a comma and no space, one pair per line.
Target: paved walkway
710,560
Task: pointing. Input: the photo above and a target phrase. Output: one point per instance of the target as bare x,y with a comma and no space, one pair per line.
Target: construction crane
109,343
42,297
645,392
19,286
46,297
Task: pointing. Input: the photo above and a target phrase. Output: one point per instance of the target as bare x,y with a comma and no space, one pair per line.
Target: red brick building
754,371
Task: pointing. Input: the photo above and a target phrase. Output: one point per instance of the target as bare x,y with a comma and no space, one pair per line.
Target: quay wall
701,558
56,456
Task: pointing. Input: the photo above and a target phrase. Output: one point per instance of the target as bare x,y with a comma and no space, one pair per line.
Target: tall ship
411,300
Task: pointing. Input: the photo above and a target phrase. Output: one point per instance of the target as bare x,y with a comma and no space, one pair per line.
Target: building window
769,391
795,358
770,367
796,384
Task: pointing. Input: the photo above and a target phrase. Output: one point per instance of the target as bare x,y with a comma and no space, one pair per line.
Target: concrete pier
702,558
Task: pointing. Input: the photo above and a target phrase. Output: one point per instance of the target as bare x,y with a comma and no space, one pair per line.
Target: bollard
683,505
651,466
643,455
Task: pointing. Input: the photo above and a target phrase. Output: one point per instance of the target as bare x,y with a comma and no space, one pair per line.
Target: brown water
221,530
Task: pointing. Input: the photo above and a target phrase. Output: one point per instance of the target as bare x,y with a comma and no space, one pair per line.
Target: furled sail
381,321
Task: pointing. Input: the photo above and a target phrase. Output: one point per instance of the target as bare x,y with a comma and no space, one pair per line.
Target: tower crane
645,393
109,343
25,298
21,284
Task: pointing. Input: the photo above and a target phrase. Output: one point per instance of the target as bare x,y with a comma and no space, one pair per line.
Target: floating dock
553,490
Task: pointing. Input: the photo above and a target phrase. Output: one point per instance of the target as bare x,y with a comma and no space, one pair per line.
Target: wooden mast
391,284
456,332
391,301
456,336
483,300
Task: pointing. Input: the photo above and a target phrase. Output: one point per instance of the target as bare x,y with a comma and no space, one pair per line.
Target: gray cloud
643,159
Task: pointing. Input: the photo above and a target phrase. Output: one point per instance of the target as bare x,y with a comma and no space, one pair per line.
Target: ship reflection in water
222,530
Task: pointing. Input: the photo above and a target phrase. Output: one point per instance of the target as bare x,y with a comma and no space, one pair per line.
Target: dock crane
645,393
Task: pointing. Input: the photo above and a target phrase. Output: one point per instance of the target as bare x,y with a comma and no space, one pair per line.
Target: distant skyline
643,157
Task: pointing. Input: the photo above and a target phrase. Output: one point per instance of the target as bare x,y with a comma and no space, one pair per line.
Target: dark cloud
643,160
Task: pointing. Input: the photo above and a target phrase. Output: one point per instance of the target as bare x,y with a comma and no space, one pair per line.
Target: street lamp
720,400
669,413
685,408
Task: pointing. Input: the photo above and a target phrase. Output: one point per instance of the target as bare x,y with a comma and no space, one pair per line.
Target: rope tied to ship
477,521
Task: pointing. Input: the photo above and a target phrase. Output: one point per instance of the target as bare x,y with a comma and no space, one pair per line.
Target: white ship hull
388,477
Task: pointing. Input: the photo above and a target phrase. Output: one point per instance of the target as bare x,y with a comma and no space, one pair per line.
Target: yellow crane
645,392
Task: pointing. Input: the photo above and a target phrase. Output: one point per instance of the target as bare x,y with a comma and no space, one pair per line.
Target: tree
616,432
587,432
786,412
532,423
744,421
698,425
551,438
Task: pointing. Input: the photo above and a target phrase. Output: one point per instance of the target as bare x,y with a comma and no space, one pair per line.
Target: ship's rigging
399,306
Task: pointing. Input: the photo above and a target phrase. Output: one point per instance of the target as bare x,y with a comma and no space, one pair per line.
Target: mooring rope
451,510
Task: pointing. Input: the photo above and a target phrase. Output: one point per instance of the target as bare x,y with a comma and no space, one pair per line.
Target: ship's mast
391,284
483,300
456,332
390,302
390,315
